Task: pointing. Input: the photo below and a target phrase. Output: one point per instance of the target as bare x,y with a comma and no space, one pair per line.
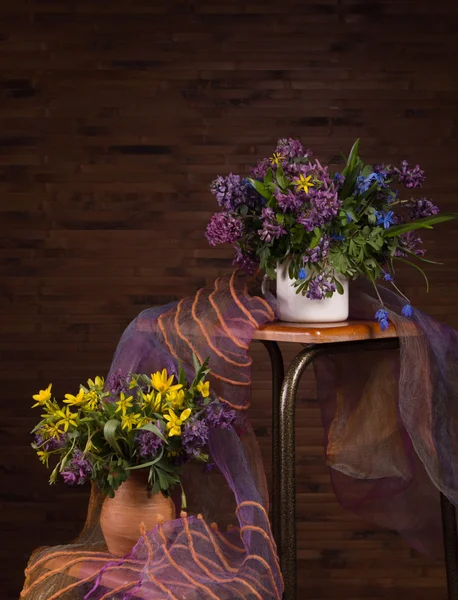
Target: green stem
184,502
375,288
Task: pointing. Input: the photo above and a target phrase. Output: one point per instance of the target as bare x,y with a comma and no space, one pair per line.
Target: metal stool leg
287,479
450,546
278,374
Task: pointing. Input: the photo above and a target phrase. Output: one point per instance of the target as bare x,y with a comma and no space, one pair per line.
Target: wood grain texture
324,333
114,119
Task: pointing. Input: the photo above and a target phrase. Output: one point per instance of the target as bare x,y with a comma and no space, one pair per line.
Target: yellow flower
143,421
52,409
175,399
277,158
51,430
91,447
77,400
204,388
43,455
174,423
91,399
98,383
67,418
129,421
162,383
43,396
304,183
124,403
153,401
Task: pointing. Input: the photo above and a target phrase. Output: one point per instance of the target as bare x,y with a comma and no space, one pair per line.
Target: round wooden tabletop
323,333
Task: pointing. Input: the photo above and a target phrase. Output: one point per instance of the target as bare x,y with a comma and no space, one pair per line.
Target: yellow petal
185,414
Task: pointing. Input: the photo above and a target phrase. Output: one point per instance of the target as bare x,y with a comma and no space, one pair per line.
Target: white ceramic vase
296,308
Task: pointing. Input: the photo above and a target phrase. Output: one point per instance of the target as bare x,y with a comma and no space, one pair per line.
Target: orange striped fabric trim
182,571
222,321
52,555
164,335
192,347
239,304
209,573
210,343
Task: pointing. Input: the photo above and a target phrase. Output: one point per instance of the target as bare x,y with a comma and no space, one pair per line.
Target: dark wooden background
114,118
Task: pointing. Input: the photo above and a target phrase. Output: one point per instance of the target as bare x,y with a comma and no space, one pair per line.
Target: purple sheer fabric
391,444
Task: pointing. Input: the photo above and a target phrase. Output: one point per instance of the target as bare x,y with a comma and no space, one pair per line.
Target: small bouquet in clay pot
131,440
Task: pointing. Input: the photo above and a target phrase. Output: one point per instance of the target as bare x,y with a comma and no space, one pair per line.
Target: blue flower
339,179
387,276
364,183
385,218
302,274
349,217
407,311
338,238
382,317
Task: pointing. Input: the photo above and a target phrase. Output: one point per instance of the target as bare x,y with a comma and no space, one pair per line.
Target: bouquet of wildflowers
154,423
324,225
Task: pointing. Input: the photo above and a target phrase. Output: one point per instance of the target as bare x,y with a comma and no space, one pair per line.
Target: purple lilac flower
407,311
78,470
411,241
385,218
289,201
148,443
321,250
223,228
219,415
421,208
260,170
324,200
50,444
245,261
319,287
382,317
290,148
270,228
117,383
411,177
194,437
230,191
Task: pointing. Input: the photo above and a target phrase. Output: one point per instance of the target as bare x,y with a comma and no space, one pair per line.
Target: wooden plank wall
114,118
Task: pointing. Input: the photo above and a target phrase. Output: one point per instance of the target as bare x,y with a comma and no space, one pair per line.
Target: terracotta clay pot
133,504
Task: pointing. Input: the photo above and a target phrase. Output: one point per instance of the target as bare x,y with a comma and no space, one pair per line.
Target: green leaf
260,188
418,269
243,209
268,178
148,464
109,433
280,218
367,171
420,224
154,429
316,238
196,363
352,158
339,287
280,176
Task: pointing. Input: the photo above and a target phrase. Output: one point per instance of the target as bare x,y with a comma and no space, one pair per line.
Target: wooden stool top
323,333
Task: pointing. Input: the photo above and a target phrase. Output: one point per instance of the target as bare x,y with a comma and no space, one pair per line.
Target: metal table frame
284,391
